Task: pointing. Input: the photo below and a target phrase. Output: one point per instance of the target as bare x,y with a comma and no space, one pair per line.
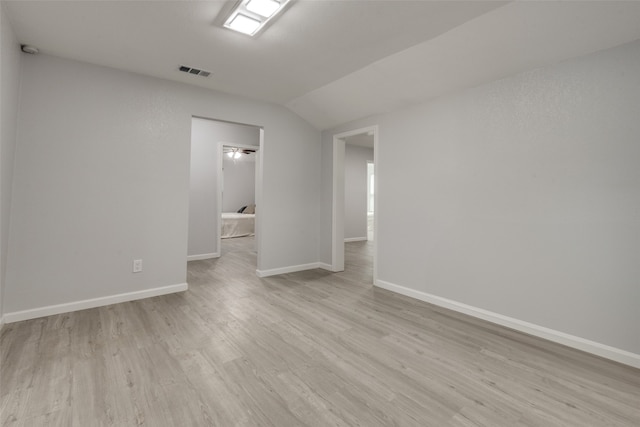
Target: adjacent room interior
484,273
224,183
359,200
238,191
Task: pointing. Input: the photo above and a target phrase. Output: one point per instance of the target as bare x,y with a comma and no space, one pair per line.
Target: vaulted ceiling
329,61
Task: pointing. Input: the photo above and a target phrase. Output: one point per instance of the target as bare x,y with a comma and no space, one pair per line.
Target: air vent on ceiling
194,71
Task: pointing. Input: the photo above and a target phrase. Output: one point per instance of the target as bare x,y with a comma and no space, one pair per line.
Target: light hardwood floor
309,348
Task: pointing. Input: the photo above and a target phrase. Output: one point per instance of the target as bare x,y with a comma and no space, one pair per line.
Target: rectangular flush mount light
243,24
250,16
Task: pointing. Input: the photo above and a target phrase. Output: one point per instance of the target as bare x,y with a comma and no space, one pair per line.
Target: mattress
237,225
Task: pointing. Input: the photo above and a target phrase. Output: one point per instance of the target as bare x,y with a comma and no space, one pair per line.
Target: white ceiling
329,61
519,36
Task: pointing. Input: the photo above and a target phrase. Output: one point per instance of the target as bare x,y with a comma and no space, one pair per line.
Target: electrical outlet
137,265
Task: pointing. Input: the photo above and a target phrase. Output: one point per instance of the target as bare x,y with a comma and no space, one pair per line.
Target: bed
237,224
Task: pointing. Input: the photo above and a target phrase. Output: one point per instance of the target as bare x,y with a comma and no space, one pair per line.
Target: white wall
355,190
102,177
239,183
206,135
524,196
9,88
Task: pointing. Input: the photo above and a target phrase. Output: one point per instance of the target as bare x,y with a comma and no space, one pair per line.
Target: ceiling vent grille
194,71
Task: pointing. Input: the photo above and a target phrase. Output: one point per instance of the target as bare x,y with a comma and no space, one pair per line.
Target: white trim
34,313
337,220
219,186
259,189
290,269
203,256
602,350
337,203
354,239
376,197
325,266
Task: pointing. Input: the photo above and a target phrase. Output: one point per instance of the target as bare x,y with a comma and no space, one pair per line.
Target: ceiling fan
236,153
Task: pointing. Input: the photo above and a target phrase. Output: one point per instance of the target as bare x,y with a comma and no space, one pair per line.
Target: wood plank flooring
301,349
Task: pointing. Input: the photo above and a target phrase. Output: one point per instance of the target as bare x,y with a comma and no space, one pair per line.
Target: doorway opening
237,187
353,151
209,195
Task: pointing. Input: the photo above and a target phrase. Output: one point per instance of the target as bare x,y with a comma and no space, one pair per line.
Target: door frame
369,194
337,221
258,189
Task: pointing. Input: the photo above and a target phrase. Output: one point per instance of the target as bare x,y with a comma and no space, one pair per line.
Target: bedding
237,225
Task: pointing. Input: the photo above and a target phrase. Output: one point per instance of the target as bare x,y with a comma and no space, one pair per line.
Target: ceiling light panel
264,8
250,16
243,24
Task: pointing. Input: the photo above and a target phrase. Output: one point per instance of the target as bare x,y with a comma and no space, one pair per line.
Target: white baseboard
1,322
290,269
203,256
602,350
355,239
325,266
17,316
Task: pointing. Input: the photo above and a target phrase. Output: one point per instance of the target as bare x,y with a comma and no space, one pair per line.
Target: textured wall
524,197
102,178
9,87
